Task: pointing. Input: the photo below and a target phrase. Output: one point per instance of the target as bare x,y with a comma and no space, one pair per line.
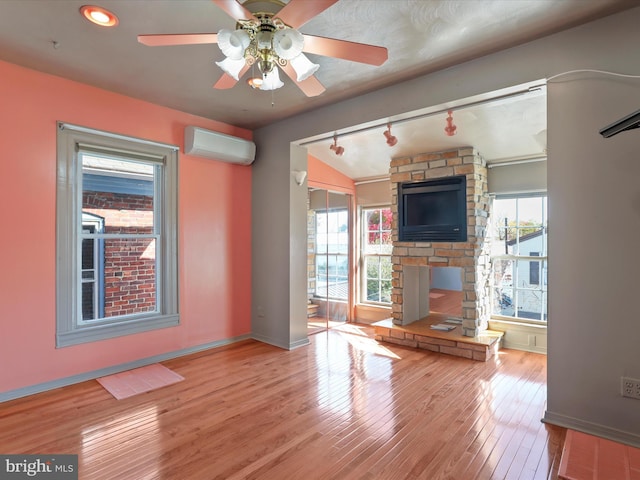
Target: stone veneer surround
471,256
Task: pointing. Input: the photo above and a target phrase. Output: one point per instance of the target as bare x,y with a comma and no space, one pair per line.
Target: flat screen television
433,210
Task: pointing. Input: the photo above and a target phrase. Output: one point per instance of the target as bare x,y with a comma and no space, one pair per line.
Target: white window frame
70,328
326,254
518,258
363,255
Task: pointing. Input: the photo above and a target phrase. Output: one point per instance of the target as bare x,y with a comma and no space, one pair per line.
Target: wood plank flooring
343,408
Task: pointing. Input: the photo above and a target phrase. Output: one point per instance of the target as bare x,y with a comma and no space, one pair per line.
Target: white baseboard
275,343
613,434
83,377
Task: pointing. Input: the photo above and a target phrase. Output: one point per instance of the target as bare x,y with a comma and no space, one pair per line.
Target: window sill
97,332
518,323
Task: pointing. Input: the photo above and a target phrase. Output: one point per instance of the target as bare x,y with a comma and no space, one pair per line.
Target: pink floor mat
139,380
586,457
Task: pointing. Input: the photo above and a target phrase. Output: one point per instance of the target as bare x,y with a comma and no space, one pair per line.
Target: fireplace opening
445,291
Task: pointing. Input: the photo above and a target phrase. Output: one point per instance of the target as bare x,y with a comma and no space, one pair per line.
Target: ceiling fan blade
298,12
234,9
177,39
355,52
227,81
311,86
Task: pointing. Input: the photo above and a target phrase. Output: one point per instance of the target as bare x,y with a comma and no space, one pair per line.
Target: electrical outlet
630,387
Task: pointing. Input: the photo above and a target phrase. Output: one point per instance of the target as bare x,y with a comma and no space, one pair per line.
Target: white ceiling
509,125
421,36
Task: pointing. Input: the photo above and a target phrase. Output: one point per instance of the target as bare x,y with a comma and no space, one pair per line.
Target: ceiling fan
271,40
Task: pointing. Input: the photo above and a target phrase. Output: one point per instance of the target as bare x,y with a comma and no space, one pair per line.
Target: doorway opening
328,259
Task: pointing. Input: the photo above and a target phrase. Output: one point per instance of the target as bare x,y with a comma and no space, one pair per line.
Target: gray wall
593,200
594,261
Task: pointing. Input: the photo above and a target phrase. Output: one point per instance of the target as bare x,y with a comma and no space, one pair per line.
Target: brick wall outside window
129,264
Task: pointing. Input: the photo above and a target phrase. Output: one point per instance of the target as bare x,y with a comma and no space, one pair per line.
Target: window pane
119,191
530,211
129,276
88,304
385,279
503,275
372,265
529,304
88,252
321,243
377,238
372,220
373,291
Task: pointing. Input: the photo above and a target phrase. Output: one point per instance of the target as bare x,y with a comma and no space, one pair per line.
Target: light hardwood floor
343,408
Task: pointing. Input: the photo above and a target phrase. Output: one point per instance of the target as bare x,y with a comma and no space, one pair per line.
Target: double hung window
376,255
116,236
519,257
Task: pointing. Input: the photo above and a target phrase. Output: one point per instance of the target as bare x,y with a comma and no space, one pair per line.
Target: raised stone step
420,335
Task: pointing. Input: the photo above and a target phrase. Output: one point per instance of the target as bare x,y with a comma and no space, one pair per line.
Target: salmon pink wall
214,226
322,175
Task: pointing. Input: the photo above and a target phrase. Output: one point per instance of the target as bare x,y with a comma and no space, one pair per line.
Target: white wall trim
591,428
521,336
275,343
83,377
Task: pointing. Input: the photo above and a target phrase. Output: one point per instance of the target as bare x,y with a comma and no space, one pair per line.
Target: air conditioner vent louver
218,146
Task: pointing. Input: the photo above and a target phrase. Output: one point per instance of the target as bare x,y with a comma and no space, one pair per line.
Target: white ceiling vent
226,148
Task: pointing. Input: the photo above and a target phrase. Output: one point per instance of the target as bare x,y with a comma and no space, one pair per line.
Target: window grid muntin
375,250
515,290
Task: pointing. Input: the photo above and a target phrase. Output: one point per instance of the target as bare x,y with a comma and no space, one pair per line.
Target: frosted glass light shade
233,44
288,43
272,80
231,67
304,67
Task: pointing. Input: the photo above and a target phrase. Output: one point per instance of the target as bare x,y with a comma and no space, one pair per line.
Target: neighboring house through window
519,257
117,238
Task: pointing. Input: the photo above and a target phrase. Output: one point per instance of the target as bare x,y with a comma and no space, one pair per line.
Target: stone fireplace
412,261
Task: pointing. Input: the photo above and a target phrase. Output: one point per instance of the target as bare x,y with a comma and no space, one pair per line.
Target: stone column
472,256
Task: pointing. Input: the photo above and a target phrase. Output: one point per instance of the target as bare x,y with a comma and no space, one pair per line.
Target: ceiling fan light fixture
233,44
271,81
263,39
232,67
288,43
99,16
303,66
255,82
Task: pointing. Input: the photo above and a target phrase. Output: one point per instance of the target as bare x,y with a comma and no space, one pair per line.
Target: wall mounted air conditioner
205,143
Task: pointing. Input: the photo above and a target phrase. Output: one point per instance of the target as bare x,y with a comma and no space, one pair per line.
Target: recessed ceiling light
99,16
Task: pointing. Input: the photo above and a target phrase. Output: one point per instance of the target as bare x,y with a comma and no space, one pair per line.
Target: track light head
391,140
338,150
450,129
